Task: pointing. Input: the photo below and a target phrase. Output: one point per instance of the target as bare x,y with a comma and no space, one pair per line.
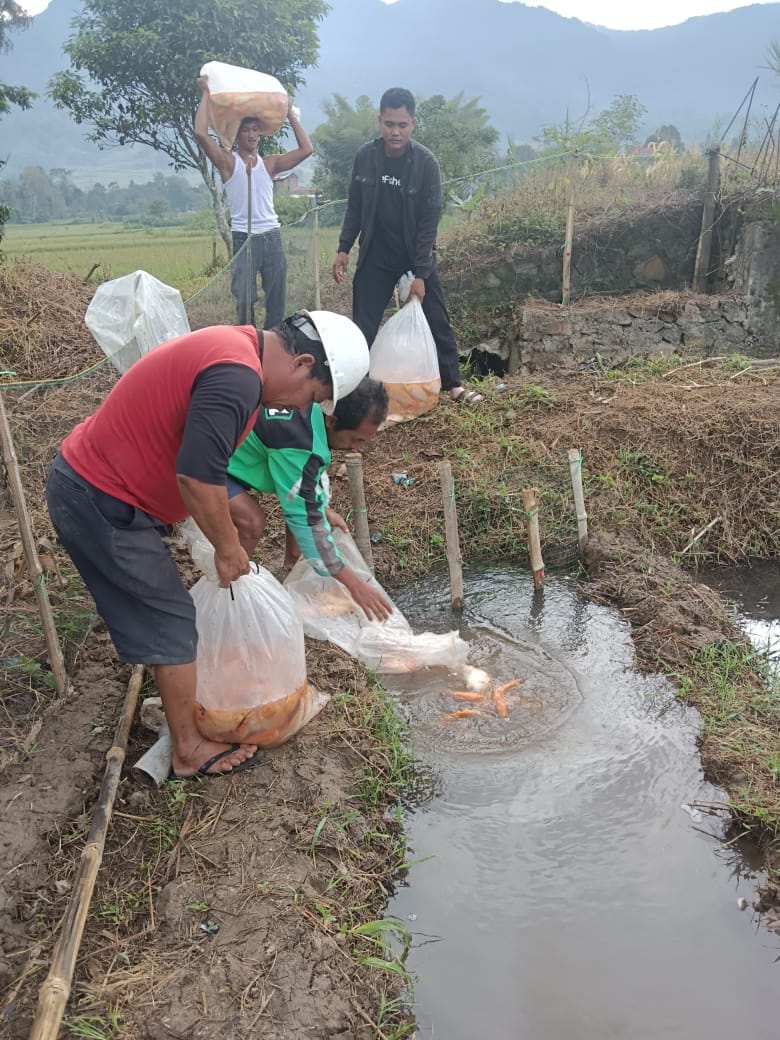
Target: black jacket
422,203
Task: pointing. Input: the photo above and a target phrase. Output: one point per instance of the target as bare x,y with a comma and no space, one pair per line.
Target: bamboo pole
575,469
454,557
531,507
701,268
55,990
248,243
571,167
354,461
316,248
53,648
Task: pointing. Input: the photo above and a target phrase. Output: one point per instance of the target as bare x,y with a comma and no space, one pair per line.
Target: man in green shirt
287,454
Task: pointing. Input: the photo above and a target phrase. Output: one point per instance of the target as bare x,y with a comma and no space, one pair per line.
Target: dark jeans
371,291
265,254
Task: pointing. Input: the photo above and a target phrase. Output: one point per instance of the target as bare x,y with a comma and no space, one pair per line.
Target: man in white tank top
248,178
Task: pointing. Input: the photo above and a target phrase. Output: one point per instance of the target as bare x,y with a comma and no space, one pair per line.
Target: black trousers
371,291
265,253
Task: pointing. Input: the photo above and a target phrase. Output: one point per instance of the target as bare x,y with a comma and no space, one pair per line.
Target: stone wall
622,252
542,335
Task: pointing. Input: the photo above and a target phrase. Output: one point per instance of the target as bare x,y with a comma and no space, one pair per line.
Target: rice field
177,256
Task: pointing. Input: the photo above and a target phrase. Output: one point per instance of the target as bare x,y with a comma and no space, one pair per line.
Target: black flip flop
203,771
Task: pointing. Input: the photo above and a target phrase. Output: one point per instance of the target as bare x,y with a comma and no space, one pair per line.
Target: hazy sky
614,14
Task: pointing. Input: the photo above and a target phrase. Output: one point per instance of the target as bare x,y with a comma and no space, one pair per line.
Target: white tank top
264,216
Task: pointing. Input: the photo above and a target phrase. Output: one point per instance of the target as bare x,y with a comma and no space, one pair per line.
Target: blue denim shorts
119,552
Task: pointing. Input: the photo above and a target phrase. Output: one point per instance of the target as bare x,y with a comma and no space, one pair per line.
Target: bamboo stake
54,650
531,507
571,166
248,243
354,461
701,269
454,557
55,990
701,534
316,248
575,468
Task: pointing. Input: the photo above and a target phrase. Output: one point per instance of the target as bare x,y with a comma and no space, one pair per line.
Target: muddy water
574,889
755,593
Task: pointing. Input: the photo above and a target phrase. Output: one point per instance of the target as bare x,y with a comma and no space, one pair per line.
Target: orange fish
499,699
467,695
466,713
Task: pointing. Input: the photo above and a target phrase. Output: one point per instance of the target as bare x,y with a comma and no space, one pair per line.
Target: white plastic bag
130,315
236,93
252,685
328,612
403,357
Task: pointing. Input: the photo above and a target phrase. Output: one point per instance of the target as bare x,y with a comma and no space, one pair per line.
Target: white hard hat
345,348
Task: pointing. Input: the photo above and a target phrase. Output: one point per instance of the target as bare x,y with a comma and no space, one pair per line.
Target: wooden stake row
530,497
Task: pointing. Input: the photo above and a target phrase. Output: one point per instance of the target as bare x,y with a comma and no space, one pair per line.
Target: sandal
467,397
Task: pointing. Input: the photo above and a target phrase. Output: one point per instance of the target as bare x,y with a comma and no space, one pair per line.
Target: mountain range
529,66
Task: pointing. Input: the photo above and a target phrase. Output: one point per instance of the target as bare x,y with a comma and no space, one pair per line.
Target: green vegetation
133,68
177,256
457,132
738,696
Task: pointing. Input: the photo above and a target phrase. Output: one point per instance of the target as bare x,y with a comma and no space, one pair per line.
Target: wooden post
54,650
571,168
250,277
575,468
316,249
454,558
55,990
354,461
531,507
701,269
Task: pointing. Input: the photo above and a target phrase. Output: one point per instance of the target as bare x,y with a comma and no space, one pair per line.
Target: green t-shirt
287,455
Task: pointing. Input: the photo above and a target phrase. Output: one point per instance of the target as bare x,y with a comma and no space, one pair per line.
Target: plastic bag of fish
251,663
328,612
236,93
403,357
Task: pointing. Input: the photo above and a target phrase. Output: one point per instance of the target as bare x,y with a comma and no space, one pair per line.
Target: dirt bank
244,907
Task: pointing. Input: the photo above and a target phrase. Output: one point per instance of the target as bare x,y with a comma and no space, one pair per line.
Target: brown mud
238,907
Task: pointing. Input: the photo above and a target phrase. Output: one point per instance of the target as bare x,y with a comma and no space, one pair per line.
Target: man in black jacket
394,204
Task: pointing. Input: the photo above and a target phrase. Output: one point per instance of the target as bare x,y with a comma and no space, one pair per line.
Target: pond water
572,883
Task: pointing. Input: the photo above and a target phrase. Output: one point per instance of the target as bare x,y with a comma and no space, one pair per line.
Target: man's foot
464,396
210,758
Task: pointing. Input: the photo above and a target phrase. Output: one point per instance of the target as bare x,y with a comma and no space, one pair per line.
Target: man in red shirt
157,451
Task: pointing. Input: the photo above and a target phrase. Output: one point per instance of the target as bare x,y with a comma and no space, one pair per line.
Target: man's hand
417,288
336,520
202,82
340,268
231,566
368,597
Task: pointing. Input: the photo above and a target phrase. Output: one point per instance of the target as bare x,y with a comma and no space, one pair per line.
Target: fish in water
466,713
498,696
468,695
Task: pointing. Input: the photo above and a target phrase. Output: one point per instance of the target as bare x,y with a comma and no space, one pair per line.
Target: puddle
755,592
576,885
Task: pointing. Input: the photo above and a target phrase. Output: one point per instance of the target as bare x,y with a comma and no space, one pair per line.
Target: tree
338,138
668,133
617,126
458,133
612,130
12,19
134,66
